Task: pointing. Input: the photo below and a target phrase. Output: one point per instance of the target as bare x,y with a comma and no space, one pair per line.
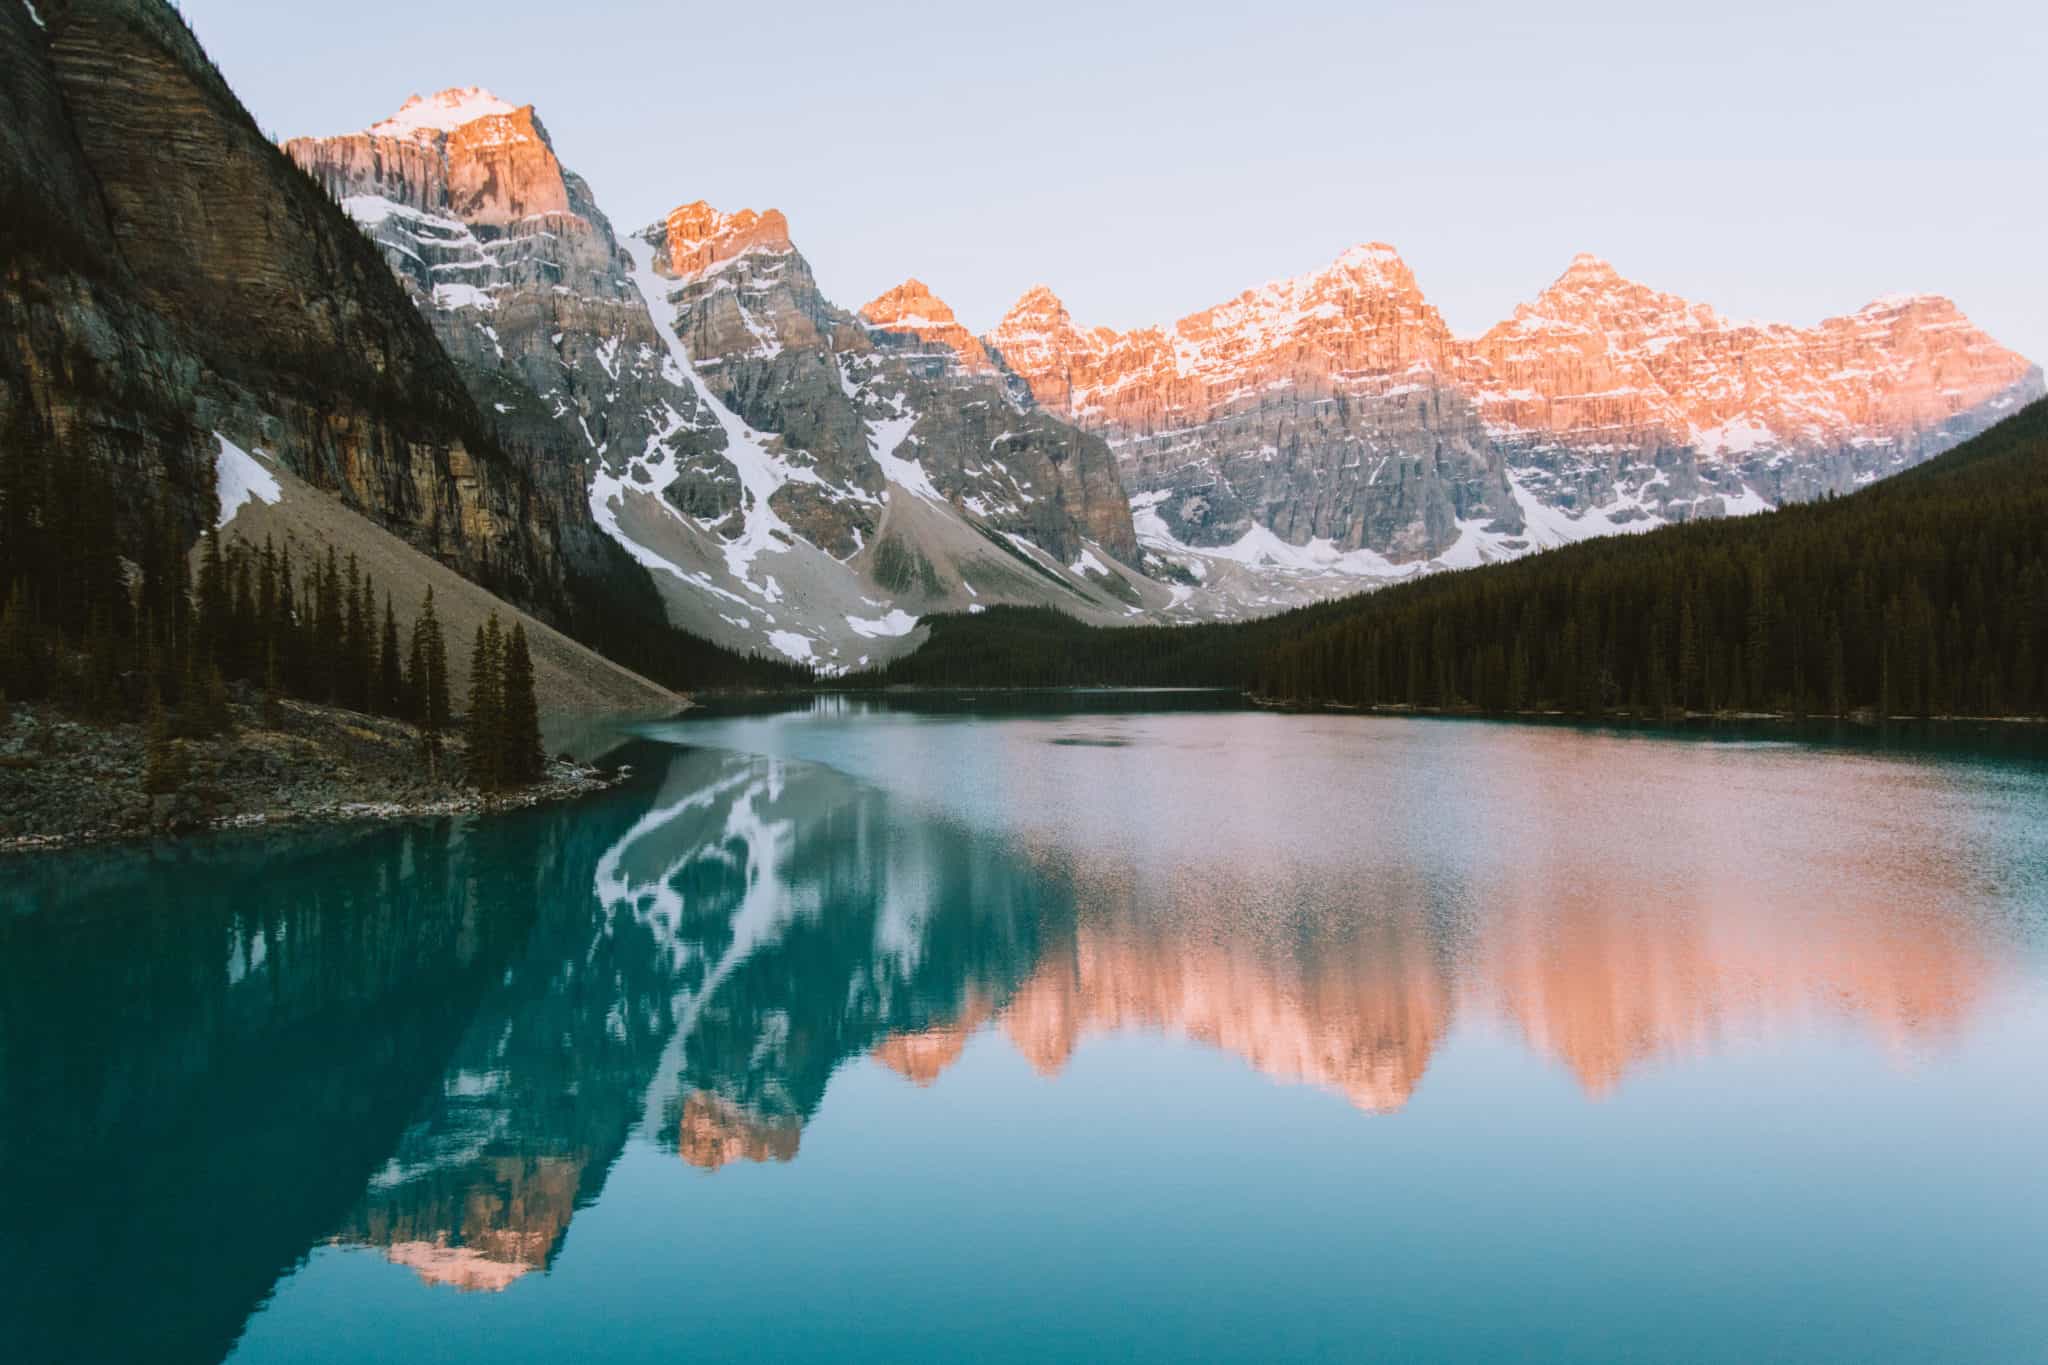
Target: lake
1128,1027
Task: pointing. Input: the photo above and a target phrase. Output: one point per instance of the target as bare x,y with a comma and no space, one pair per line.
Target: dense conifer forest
1923,595
153,638
126,626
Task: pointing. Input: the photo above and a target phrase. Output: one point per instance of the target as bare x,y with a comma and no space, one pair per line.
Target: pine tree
523,760
213,598
390,696
416,675
284,623
486,706
1757,654
329,629
366,657
245,632
355,637
1838,677
428,684
1688,655
266,594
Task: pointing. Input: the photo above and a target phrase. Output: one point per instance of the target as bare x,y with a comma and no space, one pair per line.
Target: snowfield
238,477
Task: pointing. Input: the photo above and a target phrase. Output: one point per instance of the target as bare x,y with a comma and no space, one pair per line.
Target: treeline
1924,595
164,643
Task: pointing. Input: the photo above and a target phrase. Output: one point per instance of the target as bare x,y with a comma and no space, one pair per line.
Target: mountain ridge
1601,397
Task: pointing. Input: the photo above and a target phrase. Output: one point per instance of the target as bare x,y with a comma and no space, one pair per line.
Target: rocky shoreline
66,782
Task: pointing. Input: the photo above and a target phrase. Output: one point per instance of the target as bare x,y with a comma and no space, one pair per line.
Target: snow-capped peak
1373,256
442,113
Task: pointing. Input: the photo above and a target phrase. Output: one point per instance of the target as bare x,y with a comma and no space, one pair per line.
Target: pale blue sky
1776,160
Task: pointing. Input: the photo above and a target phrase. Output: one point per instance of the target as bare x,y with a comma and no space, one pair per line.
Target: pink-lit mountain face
1339,407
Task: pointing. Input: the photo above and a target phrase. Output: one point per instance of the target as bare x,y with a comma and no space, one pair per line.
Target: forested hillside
1923,595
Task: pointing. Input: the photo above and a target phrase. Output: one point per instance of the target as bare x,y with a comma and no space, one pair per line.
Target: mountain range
433,323
820,479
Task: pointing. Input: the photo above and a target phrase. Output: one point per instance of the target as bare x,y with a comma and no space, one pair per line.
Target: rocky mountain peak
1922,308
912,308
1038,298
424,117
1593,299
1378,264
1037,339
1037,316
464,153
698,237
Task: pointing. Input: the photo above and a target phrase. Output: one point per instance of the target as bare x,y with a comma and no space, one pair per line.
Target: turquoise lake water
1118,1028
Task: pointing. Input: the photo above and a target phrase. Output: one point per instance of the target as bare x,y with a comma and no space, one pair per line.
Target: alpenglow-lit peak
1377,261
697,237
442,113
912,308
1036,315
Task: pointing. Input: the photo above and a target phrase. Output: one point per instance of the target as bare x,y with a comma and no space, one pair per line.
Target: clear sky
1778,160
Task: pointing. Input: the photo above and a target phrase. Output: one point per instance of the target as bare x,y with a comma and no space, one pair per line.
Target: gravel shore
64,782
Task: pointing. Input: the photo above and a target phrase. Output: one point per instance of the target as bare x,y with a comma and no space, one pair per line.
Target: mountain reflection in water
435,1040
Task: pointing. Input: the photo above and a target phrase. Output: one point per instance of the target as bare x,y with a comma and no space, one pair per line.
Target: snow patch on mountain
760,470
797,647
1259,548
238,478
442,113
896,622
1736,436
885,438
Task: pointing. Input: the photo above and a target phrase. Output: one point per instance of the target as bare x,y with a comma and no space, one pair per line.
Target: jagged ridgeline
167,273
1924,595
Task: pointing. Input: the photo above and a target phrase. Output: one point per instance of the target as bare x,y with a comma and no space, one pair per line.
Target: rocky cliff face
184,279
899,392
504,252
1333,423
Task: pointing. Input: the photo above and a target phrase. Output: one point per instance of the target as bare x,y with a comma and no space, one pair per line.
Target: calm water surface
1112,1031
